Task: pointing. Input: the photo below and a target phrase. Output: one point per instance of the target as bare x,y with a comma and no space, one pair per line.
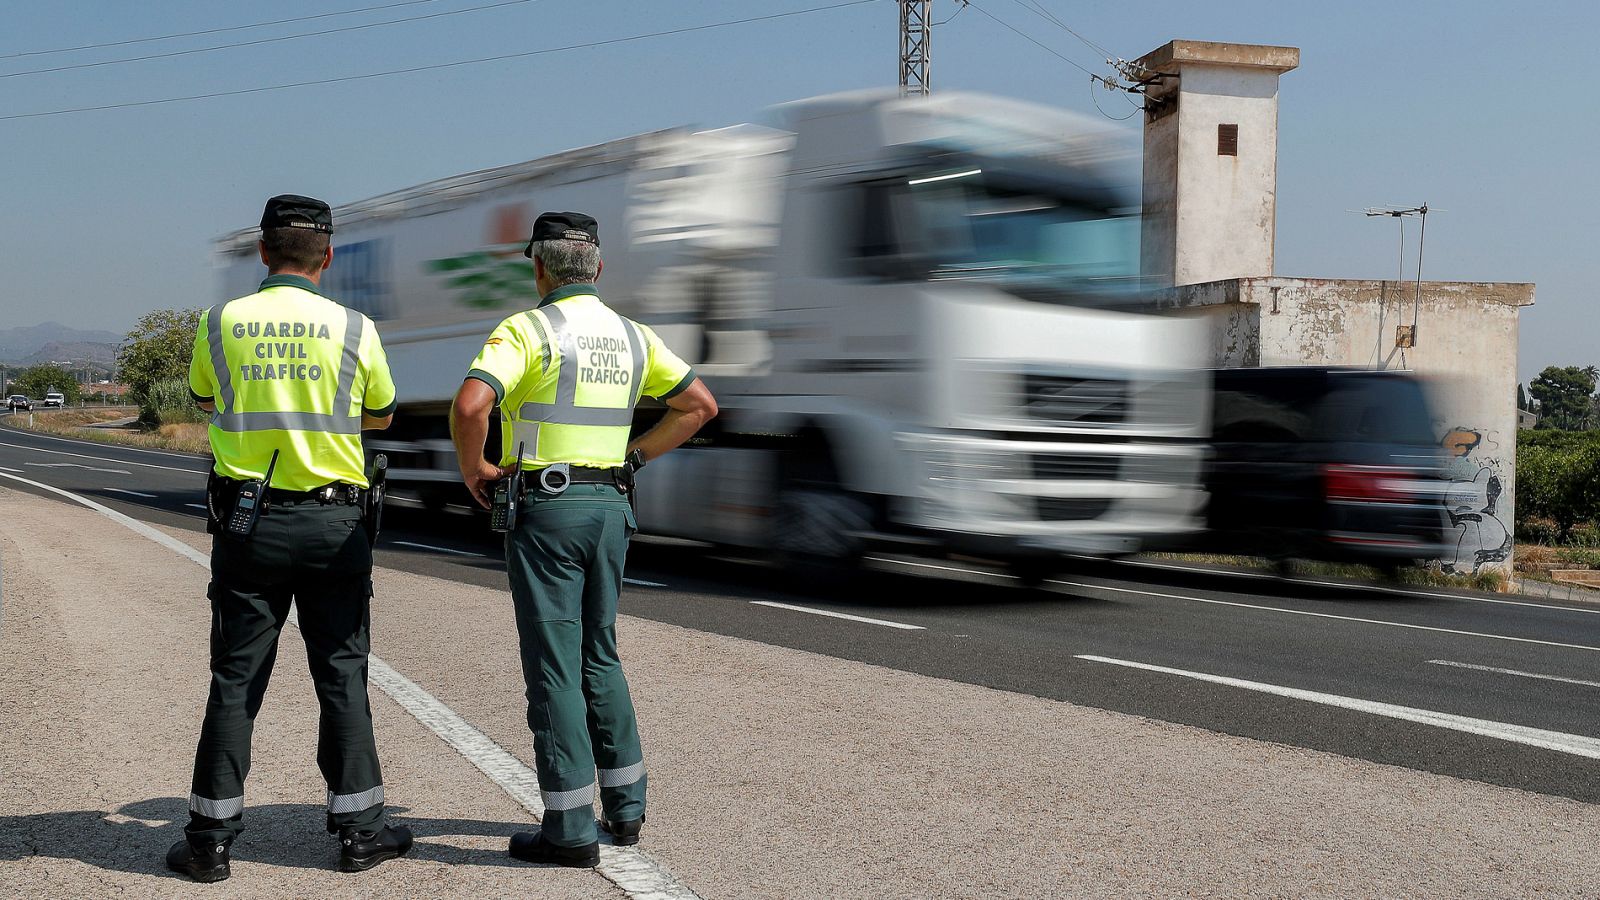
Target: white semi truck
916,314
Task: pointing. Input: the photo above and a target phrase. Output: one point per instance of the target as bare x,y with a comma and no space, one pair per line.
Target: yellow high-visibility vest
292,371
567,376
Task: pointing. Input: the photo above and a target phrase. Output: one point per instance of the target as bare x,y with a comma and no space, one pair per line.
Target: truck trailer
921,317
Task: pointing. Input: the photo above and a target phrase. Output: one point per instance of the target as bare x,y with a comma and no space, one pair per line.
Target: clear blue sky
1478,109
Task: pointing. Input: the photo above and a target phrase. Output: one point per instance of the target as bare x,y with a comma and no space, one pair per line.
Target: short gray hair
569,262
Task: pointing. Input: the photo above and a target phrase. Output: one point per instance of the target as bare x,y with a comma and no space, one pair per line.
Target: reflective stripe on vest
565,410
341,421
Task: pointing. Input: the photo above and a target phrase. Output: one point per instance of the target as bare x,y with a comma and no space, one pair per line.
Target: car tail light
1368,484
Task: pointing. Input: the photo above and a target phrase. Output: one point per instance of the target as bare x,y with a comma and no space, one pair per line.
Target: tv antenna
1406,335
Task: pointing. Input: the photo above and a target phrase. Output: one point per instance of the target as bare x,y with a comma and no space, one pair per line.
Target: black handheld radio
507,497
377,490
247,501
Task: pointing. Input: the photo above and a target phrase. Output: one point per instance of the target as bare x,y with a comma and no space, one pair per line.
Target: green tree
35,382
157,349
1565,396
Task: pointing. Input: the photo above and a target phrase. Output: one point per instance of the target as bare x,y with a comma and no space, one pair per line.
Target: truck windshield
962,227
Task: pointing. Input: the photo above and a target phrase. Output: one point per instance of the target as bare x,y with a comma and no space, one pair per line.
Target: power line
437,66
1038,8
1030,39
185,34
271,40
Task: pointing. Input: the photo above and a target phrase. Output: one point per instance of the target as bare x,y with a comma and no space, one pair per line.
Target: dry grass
1535,561
185,438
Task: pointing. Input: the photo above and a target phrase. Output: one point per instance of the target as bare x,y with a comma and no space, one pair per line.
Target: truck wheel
818,527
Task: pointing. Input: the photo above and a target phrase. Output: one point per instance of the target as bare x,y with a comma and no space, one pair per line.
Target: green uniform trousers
565,560
318,557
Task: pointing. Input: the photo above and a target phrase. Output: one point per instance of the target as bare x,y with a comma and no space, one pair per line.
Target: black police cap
563,226
295,211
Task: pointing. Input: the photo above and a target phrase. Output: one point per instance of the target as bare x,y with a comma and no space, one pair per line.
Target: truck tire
820,526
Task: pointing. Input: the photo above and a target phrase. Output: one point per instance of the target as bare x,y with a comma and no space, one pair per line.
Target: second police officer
566,377
291,379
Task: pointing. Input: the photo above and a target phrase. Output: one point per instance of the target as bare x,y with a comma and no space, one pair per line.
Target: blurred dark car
17,401
1325,463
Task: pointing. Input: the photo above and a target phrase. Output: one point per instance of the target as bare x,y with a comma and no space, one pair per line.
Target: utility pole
916,29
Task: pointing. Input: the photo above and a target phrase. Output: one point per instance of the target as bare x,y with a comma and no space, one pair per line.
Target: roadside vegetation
1558,501
154,363
79,423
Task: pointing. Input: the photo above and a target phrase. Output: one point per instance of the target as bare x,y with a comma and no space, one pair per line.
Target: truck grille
1083,401
1061,509
1075,467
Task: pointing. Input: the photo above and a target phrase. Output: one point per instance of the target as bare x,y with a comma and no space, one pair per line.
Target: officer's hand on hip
480,478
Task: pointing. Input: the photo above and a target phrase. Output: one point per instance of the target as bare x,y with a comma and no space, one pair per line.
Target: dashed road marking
635,871
1561,742
642,583
130,493
838,615
1478,668
66,465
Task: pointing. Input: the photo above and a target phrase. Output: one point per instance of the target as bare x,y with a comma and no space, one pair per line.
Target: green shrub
167,402
1558,479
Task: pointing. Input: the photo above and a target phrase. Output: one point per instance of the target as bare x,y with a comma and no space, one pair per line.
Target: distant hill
52,341
98,354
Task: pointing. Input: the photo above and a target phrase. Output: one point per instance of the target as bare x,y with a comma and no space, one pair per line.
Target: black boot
361,850
624,833
204,863
530,846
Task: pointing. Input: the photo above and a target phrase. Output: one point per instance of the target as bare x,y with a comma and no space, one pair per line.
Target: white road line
65,465
195,505
1388,589
125,462
1462,665
8,469
437,549
921,565
642,583
838,615
132,493
636,872
1561,742
1319,615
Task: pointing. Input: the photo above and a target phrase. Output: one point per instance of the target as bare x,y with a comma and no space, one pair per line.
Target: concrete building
1210,208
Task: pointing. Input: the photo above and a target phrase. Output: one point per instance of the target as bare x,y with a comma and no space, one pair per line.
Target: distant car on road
54,398
1325,463
17,401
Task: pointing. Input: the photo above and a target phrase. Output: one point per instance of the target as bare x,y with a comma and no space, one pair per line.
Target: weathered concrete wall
1210,215
1466,346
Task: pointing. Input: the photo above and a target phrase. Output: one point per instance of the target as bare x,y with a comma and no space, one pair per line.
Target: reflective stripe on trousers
573,799
349,803
216,809
622,777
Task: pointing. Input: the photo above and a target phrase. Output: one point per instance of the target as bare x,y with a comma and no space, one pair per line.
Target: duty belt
556,478
328,494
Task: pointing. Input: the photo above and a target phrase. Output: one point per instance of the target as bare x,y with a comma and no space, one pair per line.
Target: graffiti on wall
1476,501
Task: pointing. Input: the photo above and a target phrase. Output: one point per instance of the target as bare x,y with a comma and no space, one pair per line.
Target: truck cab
955,357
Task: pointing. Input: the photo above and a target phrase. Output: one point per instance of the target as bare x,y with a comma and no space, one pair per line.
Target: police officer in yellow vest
566,376
291,379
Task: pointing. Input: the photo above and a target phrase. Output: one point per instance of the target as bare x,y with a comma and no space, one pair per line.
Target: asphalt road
1484,687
